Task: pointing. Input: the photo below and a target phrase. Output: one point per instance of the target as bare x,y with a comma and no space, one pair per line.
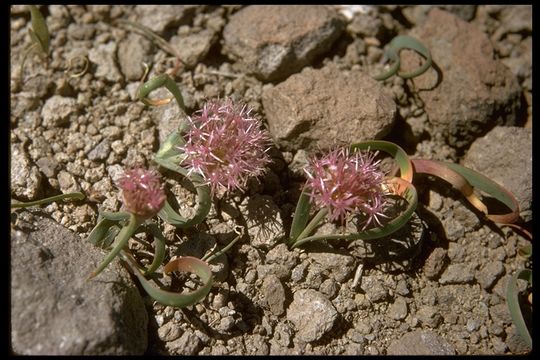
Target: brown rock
319,108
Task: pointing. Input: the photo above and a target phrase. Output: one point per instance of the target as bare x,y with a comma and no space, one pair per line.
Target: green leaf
40,32
301,216
75,195
187,264
157,82
513,304
159,245
204,202
101,233
392,51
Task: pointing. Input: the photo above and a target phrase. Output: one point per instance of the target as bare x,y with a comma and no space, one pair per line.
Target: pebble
429,316
374,289
457,274
435,263
57,111
274,294
101,151
420,342
490,274
398,310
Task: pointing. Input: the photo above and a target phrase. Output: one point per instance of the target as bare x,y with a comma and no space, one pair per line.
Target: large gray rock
319,108
476,91
56,311
273,42
505,156
312,314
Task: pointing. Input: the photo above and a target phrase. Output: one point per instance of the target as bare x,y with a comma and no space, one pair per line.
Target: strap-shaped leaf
187,264
75,195
40,32
102,233
157,82
301,216
464,179
513,304
409,194
392,51
399,155
159,245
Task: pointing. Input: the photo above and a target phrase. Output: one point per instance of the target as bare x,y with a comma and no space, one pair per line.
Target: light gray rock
193,48
318,108
170,331
273,42
339,264
504,155
187,344
101,151
429,316
132,52
58,110
374,288
398,310
312,314
56,311
475,93
25,178
420,342
160,17
457,274
104,56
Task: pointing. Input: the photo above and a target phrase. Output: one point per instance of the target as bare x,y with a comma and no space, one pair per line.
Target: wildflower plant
347,181
39,34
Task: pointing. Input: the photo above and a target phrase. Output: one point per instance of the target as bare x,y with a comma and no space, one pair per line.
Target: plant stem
121,242
75,195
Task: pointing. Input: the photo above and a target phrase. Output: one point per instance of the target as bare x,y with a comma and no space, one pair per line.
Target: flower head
142,192
225,145
347,183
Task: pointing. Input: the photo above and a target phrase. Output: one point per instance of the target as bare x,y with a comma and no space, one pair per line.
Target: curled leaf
186,264
464,179
159,245
399,155
157,82
392,51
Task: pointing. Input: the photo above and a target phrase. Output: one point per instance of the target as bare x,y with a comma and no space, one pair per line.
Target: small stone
457,274
101,151
329,287
67,182
489,274
57,111
339,265
420,342
132,53
263,220
374,289
472,325
187,344
312,314
398,310
169,332
429,316
274,294
435,263
104,56
25,178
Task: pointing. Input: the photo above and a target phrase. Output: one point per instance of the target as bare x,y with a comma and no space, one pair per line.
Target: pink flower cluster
347,183
142,192
225,145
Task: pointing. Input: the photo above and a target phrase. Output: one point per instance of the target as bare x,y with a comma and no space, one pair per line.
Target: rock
160,17
339,264
282,334
274,294
374,288
169,118
187,344
281,255
263,221
504,155
500,314
329,288
104,56
25,178
429,316
101,151
457,274
48,166
193,48
169,331
417,14
132,53
58,111
273,42
476,91
490,274
420,342
319,107
398,310
56,311
435,263
67,182
312,314
515,342
256,345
